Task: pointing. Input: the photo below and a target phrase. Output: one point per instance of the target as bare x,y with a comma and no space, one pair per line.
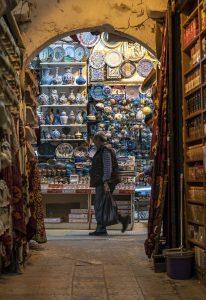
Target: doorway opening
92,82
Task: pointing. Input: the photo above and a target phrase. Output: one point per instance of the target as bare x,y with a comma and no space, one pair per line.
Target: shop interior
89,83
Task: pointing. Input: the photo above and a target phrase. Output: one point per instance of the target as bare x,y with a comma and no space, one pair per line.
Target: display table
71,206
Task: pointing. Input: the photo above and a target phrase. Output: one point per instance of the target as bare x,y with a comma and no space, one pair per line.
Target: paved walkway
79,267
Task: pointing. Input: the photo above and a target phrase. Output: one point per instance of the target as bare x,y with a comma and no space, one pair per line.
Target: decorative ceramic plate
144,67
79,53
109,44
138,52
69,52
128,69
97,60
96,74
87,52
59,54
107,90
46,54
97,92
113,73
132,92
113,59
64,150
87,39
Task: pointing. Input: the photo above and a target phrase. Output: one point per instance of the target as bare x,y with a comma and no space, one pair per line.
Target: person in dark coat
104,176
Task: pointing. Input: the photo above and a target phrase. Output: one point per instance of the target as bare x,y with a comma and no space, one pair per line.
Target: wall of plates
89,84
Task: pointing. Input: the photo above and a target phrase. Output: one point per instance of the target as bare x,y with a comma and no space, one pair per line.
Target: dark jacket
97,171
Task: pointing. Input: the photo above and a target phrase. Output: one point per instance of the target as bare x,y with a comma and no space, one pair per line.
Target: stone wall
52,19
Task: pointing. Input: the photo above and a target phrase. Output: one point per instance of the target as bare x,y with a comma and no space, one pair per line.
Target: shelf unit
194,115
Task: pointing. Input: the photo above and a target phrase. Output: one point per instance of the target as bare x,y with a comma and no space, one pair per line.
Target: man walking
104,176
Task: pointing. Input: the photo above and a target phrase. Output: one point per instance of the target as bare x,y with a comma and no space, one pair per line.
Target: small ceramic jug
68,77
54,97
63,99
72,117
72,97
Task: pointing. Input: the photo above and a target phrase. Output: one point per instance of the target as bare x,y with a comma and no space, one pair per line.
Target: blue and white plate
96,92
87,39
46,54
59,54
69,52
79,53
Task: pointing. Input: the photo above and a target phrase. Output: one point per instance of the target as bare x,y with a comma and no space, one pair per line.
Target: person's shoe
125,223
98,233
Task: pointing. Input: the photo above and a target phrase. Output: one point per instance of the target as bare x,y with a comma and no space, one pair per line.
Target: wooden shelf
197,243
71,125
191,17
192,69
195,223
62,86
64,105
193,91
195,139
189,46
196,202
194,114
64,63
62,140
196,180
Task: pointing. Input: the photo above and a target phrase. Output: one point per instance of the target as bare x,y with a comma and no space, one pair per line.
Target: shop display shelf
192,161
194,114
62,86
117,83
189,46
196,180
64,105
194,139
200,202
62,140
195,222
192,69
65,225
64,63
193,91
68,125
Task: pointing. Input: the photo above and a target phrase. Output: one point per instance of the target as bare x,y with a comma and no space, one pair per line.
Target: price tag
83,191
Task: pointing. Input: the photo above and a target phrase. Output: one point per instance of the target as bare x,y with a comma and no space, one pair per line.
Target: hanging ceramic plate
97,92
109,44
107,90
59,54
132,92
69,52
144,67
113,73
128,69
87,52
79,53
87,39
46,54
64,150
96,74
113,59
97,60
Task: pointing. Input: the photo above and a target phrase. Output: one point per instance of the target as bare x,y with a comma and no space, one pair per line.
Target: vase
43,99
49,119
64,118
57,119
47,78
72,97
63,99
55,134
54,97
79,118
72,117
57,80
80,79
68,77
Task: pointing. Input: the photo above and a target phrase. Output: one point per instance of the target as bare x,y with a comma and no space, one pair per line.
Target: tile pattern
81,268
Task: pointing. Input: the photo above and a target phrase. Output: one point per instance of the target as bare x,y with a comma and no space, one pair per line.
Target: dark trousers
98,206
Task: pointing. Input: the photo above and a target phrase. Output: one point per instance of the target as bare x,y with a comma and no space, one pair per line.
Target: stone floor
73,266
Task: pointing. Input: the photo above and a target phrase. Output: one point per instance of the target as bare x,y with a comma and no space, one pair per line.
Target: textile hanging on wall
35,227
159,150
